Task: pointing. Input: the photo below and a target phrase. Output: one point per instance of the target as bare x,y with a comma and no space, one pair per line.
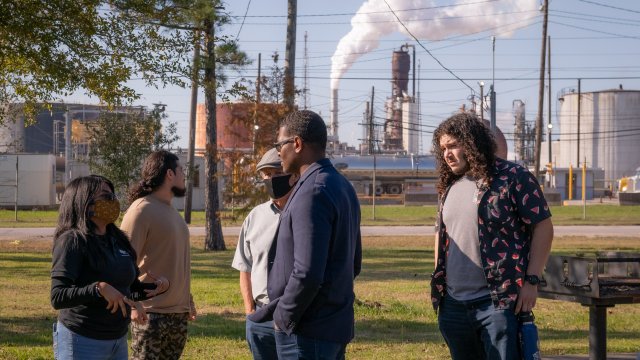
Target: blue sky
596,40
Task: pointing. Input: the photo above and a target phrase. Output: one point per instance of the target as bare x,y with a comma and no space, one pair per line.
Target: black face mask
278,186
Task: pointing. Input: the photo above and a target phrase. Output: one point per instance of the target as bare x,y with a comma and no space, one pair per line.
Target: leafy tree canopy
53,48
120,140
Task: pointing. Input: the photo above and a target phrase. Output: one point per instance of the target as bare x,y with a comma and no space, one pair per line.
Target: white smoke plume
427,19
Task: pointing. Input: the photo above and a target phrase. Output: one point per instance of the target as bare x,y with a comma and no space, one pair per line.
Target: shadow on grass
27,331
18,257
396,264
398,331
212,264
226,325
36,331
402,331
30,332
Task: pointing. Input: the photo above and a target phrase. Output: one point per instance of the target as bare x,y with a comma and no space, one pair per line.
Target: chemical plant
596,130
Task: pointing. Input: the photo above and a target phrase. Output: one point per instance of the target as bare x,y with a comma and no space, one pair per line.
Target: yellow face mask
107,210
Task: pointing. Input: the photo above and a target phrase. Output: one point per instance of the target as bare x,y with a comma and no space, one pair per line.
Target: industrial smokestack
426,21
400,64
333,123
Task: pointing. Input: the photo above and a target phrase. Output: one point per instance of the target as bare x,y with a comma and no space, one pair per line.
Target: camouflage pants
163,337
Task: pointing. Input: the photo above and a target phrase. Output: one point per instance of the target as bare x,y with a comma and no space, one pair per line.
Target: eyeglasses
278,145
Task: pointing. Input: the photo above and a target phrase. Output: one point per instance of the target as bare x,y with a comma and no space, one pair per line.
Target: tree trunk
213,229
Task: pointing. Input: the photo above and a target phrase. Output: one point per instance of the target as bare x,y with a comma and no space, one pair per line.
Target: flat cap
270,159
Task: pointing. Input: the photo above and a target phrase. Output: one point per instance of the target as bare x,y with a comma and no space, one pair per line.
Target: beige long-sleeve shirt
160,237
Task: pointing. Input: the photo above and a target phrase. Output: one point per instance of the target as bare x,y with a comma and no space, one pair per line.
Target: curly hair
478,143
307,125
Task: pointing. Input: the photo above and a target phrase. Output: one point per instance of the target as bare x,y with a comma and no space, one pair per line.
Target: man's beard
177,192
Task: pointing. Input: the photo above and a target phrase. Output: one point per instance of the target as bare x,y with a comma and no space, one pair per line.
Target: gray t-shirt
252,253
465,276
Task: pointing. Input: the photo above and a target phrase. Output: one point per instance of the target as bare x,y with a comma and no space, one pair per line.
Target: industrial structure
401,128
600,127
58,142
27,180
605,131
392,172
523,133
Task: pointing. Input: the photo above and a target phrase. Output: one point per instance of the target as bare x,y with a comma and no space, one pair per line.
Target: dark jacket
318,254
73,285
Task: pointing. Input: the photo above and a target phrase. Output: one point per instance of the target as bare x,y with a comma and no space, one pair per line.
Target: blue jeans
68,345
294,347
262,341
475,330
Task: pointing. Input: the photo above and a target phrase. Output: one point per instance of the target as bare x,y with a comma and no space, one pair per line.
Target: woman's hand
162,284
115,299
138,314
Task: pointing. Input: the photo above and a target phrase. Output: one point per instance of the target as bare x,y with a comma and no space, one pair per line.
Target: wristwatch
532,279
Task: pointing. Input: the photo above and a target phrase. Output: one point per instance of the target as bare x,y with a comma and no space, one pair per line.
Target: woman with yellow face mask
94,276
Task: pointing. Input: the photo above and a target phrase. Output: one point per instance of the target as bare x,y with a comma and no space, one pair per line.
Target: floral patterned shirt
507,211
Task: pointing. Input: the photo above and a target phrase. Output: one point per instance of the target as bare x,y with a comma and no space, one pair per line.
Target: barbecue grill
599,282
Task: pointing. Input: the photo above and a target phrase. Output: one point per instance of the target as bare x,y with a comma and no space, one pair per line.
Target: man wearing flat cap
251,258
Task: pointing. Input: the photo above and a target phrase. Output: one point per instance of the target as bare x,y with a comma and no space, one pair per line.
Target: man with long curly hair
493,239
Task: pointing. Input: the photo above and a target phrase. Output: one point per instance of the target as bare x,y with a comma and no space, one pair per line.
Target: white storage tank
36,180
609,134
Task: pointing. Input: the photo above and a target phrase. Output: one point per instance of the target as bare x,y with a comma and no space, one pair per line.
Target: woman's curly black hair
477,142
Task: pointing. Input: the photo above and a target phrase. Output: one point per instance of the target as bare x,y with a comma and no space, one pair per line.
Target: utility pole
290,55
549,126
214,239
15,210
257,105
579,101
420,141
493,89
372,145
541,92
481,83
259,81
192,128
305,90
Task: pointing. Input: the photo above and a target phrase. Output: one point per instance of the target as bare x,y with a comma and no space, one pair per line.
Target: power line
479,79
595,20
425,49
595,31
610,6
593,16
390,21
377,12
243,19
568,38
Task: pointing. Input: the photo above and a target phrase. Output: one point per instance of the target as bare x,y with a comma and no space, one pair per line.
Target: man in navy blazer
318,249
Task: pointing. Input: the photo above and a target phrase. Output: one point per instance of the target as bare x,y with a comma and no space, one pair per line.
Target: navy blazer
318,254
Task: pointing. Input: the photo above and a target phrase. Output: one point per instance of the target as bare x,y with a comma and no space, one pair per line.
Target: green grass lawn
386,215
394,318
